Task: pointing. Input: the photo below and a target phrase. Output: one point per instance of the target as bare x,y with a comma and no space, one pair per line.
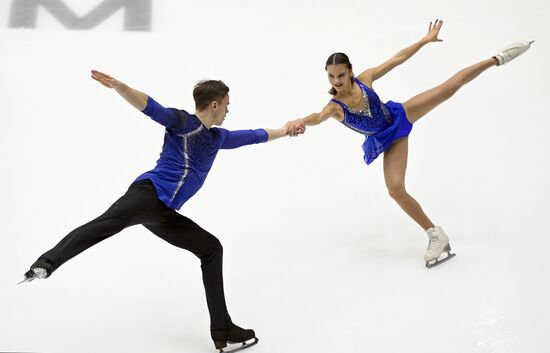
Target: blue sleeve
169,117
238,138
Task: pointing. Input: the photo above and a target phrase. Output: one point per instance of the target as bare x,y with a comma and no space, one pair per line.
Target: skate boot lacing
508,54
435,241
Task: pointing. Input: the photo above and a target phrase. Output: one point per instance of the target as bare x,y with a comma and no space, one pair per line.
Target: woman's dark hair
335,59
207,91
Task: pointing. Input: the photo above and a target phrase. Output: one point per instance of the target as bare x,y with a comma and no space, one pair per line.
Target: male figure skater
191,144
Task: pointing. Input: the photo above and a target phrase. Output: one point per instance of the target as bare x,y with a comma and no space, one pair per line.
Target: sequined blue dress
381,123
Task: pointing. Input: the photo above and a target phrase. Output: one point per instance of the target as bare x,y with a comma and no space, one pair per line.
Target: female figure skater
190,146
386,126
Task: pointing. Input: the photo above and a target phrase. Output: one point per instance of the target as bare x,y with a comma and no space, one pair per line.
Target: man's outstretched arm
136,98
140,101
238,138
273,134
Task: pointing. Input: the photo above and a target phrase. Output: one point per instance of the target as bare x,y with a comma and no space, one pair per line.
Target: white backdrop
317,256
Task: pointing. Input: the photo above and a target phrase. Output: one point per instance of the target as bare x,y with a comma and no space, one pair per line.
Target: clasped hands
295,127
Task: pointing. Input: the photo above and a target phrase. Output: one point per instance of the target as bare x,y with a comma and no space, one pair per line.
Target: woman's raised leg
421,104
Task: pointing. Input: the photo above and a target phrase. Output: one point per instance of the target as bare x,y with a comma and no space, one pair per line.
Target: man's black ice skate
42,268
34,273
234,335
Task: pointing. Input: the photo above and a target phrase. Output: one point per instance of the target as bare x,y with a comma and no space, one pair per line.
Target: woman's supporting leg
420,105
395,166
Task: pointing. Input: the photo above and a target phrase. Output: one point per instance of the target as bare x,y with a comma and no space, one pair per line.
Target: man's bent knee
212,251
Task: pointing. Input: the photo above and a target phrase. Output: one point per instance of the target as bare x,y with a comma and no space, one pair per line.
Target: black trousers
140,205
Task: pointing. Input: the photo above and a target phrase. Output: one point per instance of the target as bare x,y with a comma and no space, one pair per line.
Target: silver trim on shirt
185,138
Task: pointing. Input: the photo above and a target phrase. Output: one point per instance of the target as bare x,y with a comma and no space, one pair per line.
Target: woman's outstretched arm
373,74
297,126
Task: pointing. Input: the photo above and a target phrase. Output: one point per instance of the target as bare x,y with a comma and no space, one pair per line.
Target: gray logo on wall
137,14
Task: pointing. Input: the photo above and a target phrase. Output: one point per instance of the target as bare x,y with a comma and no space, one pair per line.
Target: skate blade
244,345
27,279
436,262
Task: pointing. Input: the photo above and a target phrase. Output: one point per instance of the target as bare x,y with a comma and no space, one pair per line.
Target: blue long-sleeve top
188,152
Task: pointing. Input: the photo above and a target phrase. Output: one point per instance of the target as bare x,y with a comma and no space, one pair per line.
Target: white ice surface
317,258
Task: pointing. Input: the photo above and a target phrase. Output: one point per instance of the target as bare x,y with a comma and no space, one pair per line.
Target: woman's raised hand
433,31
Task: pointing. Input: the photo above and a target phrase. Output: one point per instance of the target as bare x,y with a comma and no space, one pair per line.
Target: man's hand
136,98
106,80
295,127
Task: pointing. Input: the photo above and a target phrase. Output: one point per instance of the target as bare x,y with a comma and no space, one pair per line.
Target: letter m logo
137,14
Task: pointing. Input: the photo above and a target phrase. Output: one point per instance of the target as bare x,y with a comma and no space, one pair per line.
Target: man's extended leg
138,205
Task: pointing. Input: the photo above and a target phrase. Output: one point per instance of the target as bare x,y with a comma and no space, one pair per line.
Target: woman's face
339,76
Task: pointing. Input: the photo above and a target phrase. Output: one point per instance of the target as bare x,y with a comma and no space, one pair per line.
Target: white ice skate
438,244
36,272
512,51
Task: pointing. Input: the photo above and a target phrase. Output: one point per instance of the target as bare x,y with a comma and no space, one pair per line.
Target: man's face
220,110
